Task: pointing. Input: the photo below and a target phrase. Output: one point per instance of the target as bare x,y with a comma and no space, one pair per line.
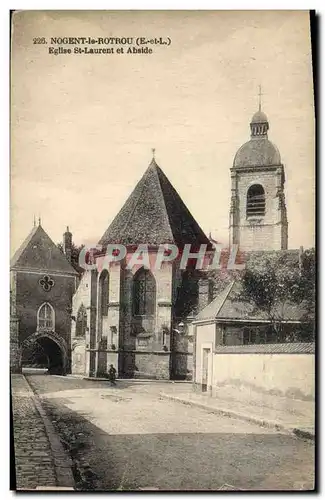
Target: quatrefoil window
46,283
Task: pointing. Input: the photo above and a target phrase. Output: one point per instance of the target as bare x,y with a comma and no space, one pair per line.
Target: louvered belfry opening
255,201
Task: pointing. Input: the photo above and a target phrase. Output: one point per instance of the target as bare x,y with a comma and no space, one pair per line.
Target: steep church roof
38,252
154,214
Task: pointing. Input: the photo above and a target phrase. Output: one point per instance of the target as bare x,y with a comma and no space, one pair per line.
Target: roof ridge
50,254
154,213
18,253
166,214
179,200
227,291
134,205
152,167
211,310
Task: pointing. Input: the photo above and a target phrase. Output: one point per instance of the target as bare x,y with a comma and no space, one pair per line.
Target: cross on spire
153,152
260,97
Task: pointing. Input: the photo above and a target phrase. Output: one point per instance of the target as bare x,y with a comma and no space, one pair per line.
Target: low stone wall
132,363
152,365
278,369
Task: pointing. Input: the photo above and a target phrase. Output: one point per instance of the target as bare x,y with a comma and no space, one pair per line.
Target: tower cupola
259,125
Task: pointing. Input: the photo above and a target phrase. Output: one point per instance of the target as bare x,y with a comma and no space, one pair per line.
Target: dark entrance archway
45,350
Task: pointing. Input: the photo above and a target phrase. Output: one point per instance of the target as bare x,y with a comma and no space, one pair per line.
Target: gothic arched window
104,292
81,323
255,205
45,317
144,293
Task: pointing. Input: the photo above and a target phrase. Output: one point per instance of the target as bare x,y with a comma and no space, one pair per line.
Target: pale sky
83,125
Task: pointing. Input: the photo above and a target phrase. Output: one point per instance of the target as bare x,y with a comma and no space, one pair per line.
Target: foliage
75,251
222,277
272,283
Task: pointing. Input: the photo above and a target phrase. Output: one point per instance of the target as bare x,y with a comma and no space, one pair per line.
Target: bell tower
258,214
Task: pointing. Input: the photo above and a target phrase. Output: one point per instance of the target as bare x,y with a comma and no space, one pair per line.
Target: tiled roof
288,348
211,310
38,252
234,308
154,214
228,306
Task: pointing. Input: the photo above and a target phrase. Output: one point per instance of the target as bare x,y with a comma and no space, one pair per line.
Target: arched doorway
45,350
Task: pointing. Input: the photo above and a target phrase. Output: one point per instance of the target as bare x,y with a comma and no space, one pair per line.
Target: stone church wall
30,296
83,296
110,328
143,356
152,365
133,355
266,232
78,357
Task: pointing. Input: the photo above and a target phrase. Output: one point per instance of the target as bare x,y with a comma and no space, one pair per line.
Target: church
130,317
142,320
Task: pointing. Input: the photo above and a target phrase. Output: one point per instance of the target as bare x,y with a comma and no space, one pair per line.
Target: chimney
205,292
67,244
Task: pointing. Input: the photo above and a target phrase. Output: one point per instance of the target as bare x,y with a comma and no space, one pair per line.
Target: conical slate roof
39,253
154,214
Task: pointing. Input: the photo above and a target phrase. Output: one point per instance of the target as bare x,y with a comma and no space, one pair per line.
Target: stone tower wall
259,233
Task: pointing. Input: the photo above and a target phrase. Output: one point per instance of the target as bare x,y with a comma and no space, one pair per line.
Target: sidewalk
39,457
286,414
135,380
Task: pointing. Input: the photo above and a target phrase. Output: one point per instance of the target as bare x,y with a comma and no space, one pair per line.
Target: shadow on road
71,383
183,461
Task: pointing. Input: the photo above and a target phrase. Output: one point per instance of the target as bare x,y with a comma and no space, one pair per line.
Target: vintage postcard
162,300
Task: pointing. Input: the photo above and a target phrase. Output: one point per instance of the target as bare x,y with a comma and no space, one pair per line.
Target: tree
273,283
75,251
